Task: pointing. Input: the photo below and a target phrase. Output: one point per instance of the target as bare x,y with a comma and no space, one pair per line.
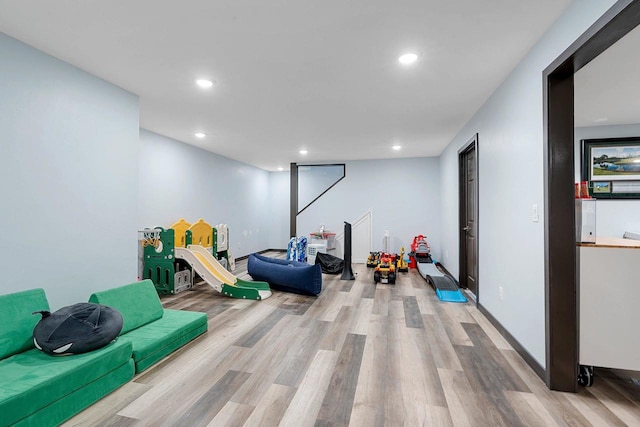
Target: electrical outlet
535,216
446,254
501,293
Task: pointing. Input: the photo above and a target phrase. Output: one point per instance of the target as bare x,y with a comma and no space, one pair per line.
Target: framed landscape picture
611,166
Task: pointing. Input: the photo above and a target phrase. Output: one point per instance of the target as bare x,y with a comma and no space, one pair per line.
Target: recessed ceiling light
204,83
280,168
397,147
408,58
303,152
200,135
601,120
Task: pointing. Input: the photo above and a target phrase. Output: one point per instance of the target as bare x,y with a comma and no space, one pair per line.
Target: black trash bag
77,328
329,263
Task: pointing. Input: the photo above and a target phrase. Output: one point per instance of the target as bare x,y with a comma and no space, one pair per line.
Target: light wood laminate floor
359,355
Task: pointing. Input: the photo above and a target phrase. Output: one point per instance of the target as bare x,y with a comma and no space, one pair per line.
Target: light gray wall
314,180
403,195
279,201
613,217
69,172
510,127
181,181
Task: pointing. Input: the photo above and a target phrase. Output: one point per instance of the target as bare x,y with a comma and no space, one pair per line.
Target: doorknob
466,228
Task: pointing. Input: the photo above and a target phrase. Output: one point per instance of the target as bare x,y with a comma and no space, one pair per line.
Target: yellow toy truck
401,264
373,259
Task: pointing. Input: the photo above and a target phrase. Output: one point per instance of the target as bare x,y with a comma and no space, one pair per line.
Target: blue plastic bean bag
288,276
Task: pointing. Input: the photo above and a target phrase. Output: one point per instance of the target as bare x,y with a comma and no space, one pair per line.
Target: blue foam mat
451,296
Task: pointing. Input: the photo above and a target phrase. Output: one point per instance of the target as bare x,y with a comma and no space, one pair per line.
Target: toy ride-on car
386,270
420,249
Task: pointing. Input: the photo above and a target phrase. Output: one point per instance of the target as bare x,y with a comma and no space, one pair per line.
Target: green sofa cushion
70,405
138,303
17,321
155,340
33,379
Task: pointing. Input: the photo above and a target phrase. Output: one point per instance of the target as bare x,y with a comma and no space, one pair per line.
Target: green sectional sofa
153,332
37,389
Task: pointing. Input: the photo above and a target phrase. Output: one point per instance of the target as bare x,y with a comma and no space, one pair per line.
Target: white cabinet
609,297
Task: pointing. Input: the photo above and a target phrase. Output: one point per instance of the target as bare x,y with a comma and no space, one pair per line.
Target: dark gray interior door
470,228
469,220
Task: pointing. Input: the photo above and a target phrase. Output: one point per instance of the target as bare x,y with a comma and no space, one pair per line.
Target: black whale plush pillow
77,328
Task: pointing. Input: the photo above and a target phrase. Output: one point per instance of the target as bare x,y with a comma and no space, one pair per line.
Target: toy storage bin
313,249
329,239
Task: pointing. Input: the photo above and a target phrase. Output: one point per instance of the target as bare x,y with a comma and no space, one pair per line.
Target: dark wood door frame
471,144
561,260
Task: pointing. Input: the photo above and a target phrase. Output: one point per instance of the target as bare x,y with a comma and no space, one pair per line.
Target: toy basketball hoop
150,237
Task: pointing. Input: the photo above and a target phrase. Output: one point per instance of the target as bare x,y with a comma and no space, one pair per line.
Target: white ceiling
321,75
607,90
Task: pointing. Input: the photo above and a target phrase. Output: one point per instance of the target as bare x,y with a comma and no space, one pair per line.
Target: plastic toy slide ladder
207,267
